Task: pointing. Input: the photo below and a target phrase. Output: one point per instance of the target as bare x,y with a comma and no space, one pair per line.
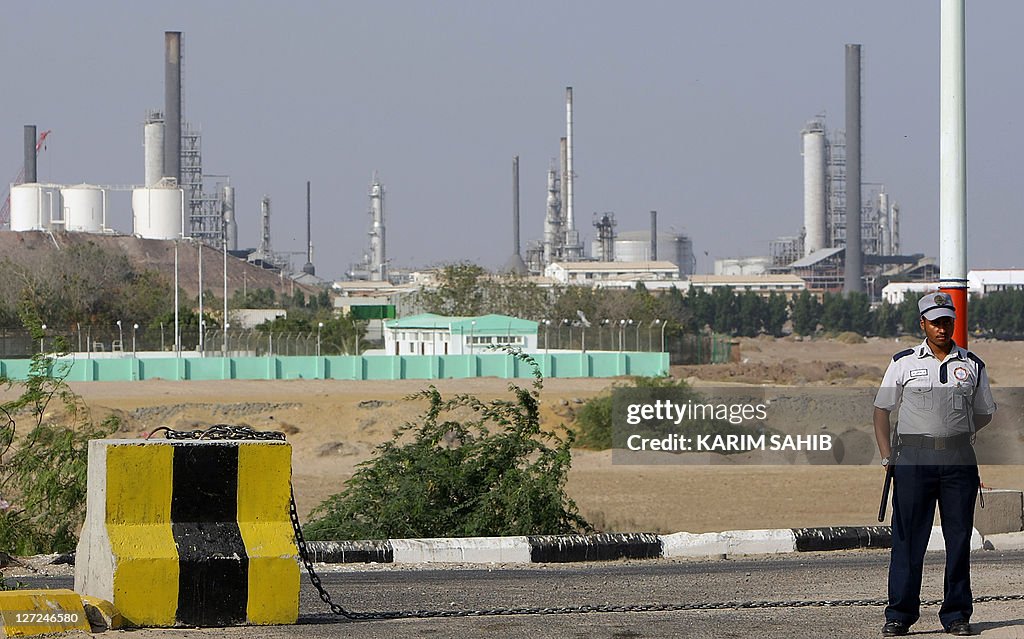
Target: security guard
944,398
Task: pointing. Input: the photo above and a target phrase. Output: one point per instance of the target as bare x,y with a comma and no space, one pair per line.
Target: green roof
484,324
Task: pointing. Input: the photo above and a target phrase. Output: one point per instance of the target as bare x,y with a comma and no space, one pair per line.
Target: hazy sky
693,108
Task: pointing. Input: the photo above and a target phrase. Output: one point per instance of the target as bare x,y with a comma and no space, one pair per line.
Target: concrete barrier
190,532
24,613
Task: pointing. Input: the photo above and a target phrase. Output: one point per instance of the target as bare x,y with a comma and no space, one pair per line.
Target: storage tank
635,246
83,208
32,206
157,212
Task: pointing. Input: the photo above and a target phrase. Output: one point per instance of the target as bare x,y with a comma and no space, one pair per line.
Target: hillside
35,247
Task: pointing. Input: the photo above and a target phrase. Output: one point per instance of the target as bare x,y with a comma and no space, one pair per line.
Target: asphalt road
793,577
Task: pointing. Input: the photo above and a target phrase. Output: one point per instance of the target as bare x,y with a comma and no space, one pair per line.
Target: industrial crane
5,210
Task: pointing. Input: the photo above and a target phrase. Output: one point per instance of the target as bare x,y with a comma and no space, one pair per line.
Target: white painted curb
468,550
729,542
1006,541
935,541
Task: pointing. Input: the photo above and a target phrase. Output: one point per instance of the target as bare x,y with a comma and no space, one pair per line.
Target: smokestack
654,236
230,225
815,235
515,206
570,224
563,196
309,268
852,281
515,263
30,154
153,143
172,105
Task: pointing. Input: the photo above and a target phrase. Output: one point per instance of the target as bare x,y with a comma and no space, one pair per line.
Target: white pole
177,325
201,331
953,163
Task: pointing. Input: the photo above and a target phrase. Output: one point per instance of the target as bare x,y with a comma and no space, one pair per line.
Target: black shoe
895,628
960,628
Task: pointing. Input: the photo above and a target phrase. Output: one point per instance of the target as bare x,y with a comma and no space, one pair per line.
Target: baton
885,490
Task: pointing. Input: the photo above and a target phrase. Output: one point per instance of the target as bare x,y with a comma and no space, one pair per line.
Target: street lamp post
569,324
663,325
135,328
638,335
600,336
319,327
120,337
622,333
41,338
547,323
226,327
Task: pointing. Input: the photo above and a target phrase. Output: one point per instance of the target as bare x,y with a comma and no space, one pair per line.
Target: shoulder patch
977,360
900,354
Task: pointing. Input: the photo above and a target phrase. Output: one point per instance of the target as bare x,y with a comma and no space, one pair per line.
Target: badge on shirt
920,372
961,373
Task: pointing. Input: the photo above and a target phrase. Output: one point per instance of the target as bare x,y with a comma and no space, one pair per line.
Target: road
794,577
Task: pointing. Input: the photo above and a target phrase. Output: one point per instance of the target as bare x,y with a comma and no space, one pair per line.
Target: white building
430,334
763,285
979,282
611,273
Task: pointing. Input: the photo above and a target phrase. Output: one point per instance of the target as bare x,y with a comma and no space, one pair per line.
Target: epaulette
900,354
977,360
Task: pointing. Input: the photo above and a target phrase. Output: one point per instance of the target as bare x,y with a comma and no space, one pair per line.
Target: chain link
219,431
225,431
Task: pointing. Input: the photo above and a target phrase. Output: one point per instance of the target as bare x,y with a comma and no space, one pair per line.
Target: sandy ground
334,425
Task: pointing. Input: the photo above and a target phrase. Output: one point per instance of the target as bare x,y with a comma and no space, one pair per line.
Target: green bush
468,468
595,419
43,473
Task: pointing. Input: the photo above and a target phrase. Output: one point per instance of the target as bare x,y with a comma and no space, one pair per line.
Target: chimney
172,105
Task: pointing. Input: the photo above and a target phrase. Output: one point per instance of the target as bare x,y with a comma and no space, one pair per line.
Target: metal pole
201,331
953,164
854,268
177,324
224,251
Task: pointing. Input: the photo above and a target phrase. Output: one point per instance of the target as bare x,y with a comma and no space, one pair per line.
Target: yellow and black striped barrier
194,533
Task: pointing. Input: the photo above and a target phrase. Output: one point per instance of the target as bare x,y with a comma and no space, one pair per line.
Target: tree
806,313
496,472
43,473
776,314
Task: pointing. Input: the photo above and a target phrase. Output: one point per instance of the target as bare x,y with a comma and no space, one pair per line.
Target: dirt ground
334,425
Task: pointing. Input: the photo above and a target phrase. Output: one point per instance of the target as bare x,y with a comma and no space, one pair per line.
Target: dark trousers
921,479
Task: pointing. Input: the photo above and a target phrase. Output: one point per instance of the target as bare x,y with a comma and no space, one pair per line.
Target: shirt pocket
918,392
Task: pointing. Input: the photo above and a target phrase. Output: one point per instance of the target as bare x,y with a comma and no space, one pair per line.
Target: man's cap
936,305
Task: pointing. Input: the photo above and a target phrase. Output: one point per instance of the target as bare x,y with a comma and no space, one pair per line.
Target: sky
691,108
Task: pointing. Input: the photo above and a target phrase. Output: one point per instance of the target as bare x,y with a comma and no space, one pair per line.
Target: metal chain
225,431
219,431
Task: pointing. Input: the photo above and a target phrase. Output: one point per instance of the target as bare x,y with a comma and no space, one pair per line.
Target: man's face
939,332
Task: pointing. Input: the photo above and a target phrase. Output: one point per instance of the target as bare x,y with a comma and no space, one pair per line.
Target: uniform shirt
936,398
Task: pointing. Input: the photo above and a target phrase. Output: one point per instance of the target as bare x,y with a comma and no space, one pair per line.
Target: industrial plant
841,213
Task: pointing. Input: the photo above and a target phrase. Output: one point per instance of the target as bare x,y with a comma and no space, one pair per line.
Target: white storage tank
635,246
157,212
83,207
33,206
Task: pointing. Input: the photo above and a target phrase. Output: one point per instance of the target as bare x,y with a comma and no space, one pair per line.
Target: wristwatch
885,461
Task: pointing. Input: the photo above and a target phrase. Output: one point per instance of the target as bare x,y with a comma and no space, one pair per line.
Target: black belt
936,443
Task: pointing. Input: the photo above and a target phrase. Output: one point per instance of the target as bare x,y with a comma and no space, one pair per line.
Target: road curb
611,546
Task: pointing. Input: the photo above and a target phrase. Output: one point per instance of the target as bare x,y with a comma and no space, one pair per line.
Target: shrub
494,473
595,419
43,473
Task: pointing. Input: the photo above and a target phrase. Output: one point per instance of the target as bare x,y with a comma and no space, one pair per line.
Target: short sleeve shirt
936,398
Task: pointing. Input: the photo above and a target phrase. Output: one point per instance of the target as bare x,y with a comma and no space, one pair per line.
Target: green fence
368,367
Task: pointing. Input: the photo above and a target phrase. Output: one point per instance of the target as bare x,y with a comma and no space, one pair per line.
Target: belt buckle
940,443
